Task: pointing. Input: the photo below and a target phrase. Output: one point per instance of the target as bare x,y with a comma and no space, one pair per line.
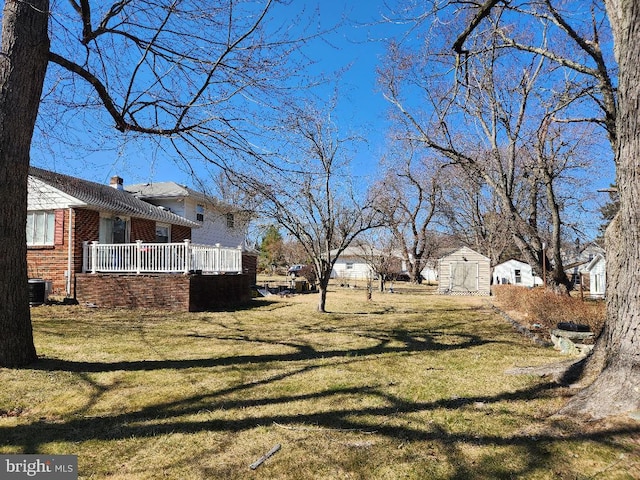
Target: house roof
158,190
106,198
358,251
163,190
167,190
597,259
512,261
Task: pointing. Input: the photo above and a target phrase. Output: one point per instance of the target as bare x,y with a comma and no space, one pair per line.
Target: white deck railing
142,257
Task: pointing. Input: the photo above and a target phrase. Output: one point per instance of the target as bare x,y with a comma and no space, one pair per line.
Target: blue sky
357,45
355,48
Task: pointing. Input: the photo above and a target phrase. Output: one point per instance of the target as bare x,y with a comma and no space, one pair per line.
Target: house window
230,220
518,275
40,228
114,230
163,233
349,265
200,212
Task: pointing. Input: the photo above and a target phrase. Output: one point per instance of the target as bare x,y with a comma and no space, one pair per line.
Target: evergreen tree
271,250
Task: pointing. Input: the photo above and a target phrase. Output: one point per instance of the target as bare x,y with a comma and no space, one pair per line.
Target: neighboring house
219,223
581,253
76,227
575,262
464,272
597,270
515,272
352,263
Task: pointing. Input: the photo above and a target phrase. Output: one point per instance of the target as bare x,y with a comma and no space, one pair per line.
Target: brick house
63,212
69,218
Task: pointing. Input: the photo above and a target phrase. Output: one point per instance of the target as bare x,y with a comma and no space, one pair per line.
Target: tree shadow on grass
397,341
185,415
178,417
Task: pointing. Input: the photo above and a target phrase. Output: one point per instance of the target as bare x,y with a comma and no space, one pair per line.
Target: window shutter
58,235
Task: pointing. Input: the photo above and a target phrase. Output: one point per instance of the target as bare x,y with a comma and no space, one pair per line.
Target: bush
547,309
309,273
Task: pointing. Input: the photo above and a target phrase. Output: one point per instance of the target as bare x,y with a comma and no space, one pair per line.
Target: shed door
464,277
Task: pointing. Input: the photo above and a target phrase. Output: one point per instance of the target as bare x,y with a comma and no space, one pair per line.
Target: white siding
358,270
507,273
45,197
213,229
598,278
171,204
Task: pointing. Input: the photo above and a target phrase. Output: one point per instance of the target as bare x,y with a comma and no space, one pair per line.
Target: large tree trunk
616,389
23,63
416,271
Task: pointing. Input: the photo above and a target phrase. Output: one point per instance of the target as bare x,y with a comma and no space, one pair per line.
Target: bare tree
612,372
616,357
194,74
495,126
409,196
380,253
23,63
310,195
471,213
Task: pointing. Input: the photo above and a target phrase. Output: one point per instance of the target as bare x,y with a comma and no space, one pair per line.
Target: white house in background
597,270
430,272
352,263
576,261
220,223
515,272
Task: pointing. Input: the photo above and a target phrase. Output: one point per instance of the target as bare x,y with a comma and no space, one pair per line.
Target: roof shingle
107,198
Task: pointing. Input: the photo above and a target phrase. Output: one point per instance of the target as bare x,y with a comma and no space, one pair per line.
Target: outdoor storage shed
464,272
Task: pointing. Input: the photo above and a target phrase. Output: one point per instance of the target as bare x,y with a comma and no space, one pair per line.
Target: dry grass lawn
410,385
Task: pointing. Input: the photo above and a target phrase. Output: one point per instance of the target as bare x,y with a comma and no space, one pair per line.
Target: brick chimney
116,182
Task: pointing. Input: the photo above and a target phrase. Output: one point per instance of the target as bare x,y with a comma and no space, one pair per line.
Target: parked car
397,277
295,269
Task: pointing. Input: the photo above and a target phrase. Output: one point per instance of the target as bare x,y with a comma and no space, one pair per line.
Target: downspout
69,254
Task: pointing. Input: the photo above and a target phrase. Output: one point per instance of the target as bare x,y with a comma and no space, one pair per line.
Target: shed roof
462,251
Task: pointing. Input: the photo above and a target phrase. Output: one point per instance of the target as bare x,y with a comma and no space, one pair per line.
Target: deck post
94,256
187,256
138,256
